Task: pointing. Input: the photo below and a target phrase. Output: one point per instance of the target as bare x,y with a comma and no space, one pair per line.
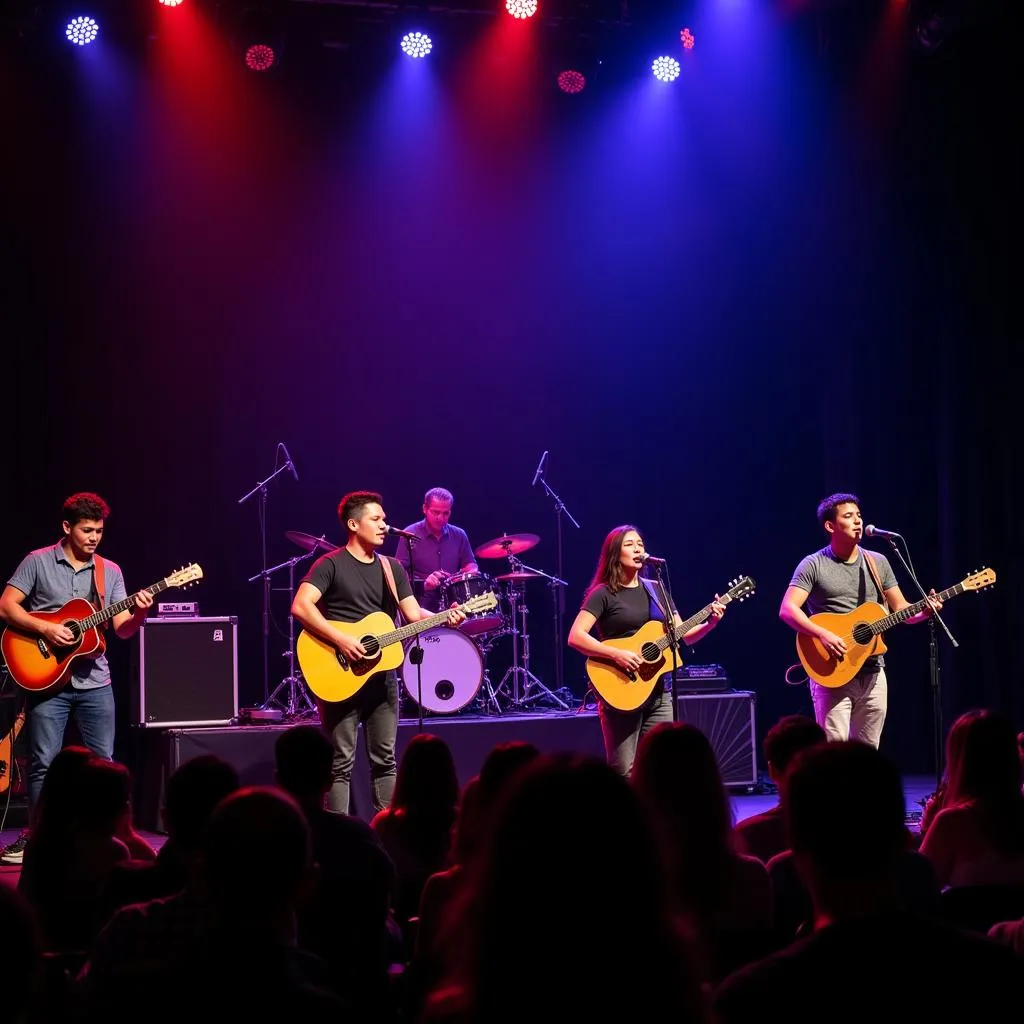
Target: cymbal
309,542
521,575
507,544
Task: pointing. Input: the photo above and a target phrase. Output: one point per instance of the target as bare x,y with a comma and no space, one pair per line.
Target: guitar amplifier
186,672
727,719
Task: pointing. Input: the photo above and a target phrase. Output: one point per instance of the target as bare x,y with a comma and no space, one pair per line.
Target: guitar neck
893,618
396,636
684,627
119,606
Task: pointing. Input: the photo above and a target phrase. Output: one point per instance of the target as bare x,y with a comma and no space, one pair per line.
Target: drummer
443,550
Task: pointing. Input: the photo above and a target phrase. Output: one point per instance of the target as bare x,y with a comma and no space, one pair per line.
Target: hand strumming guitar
348,646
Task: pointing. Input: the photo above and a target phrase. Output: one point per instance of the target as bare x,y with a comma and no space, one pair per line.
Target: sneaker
14,853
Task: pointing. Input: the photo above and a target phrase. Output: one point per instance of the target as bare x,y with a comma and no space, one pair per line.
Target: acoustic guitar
626,691
862,630
36,665
7,752
332,677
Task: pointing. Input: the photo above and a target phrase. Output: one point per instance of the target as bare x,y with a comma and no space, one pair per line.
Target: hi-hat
522,574
507,544
308,542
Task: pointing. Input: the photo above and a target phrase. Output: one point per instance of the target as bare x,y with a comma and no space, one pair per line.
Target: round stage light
521,8
416,44
170,3
259,57
82,31
687,39
571,81
666,69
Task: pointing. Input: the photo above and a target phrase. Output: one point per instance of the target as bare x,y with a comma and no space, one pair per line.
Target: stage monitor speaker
727,719
186,672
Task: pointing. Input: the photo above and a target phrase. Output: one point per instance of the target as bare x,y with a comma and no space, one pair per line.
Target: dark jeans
93,712
376,707
623,730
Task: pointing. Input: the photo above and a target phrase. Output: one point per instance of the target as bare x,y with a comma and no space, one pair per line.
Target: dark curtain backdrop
790,276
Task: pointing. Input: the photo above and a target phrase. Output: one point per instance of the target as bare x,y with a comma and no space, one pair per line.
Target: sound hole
75,627
650,652
862,633
444,690
371,644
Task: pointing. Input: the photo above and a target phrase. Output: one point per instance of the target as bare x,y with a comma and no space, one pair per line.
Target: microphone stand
416,653
933,661
261,489
669,609
558,585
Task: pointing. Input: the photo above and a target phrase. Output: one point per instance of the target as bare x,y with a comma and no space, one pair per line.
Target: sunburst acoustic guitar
333,677
7,751
37,665
862,630
627,691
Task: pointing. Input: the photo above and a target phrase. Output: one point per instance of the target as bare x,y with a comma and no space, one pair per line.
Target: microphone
540,469
653,559
291,465
877,531
401,533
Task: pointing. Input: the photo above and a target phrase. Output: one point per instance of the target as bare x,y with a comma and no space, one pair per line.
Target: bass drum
450,674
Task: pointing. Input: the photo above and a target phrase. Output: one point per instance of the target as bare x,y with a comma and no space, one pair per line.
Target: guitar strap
652,592
874,575
389,575
99,582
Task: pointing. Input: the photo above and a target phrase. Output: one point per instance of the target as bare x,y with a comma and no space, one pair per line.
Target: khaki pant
855,711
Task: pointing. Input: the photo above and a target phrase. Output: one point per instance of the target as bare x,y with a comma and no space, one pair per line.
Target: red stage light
259,57
571,81
687,39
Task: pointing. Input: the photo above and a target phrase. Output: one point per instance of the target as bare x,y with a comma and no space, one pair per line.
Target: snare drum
461,588
450,674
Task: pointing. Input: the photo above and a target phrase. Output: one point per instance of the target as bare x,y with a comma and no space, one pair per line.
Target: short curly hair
84,505
828,506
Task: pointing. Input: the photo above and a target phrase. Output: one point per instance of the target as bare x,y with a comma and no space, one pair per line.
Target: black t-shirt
352,589
623,613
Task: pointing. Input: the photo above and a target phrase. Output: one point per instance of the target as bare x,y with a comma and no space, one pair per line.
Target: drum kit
452,673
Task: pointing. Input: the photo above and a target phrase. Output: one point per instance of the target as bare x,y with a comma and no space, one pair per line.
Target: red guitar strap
99,582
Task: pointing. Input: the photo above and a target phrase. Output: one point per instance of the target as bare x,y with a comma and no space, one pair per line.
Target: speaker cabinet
186,672
727,719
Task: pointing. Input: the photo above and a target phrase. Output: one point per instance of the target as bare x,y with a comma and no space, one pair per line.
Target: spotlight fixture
416,44
81,31
260,57
666,69
687,39
571,82
521,9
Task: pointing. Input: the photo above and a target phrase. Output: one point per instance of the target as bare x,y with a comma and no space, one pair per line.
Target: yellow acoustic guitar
332,677
862,630
627,691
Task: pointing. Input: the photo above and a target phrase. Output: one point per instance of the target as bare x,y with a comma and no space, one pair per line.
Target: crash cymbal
308,542
507,544
521,575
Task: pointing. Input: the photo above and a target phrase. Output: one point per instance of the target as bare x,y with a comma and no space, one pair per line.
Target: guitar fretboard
894,618
119,606
411,629
694,620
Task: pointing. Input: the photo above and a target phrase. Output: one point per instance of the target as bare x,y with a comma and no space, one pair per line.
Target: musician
837,579
618,602
443,550
45,581
346,585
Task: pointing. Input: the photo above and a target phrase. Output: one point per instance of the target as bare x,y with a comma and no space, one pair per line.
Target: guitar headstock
186,575
740,588
979,580
481,603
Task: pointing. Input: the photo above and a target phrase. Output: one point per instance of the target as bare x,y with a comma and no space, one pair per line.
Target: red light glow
571,81
259,57
687,39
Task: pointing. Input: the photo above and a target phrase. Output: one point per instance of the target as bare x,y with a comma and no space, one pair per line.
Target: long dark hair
609,567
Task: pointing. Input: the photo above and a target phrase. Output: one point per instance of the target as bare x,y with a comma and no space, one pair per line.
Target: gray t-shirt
836,586
48,581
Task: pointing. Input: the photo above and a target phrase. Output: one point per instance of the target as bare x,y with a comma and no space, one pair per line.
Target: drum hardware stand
492,693
298,703
557,585
517,599
261,489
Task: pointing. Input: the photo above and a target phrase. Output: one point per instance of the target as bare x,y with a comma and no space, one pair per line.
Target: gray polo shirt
48,581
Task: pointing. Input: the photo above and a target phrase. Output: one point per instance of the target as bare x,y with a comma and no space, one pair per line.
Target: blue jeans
623,730
93,712
376,707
